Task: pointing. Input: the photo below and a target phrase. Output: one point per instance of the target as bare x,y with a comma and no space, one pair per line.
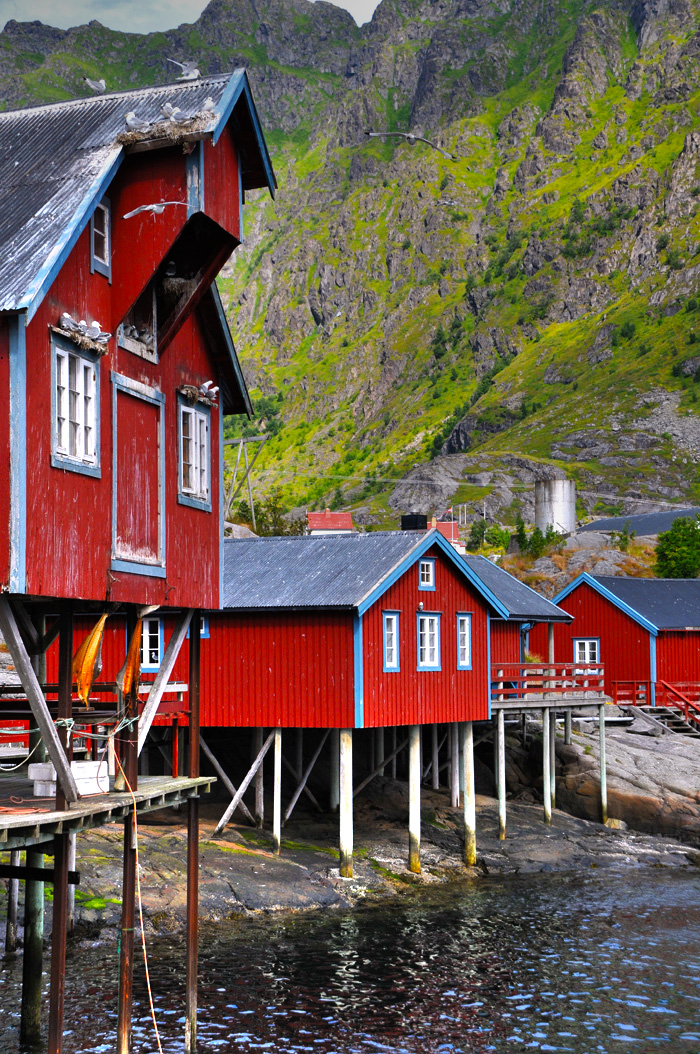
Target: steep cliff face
529,308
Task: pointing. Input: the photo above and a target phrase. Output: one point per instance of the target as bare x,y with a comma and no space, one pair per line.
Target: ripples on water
584,964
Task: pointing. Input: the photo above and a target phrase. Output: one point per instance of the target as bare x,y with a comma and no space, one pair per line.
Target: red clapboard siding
678,656
221,183
624,645
505,641
412,696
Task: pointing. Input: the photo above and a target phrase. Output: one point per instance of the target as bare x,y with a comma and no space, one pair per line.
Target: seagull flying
97,86
155,209
412,139
189,70
134,123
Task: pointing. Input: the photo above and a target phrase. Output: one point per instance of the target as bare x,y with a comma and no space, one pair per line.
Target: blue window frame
151,643
75,408
390,625
203,628
101,239
194,457
464,641
426,574
428,640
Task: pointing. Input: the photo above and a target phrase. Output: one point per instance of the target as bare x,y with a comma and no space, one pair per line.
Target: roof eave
239,87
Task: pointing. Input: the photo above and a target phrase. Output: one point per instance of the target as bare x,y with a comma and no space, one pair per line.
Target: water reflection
589,964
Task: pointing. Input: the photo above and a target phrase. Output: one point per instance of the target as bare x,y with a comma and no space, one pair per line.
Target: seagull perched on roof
68,323
174,114
412,139
155,208
208,106
93,331
134,123
189,70
97,86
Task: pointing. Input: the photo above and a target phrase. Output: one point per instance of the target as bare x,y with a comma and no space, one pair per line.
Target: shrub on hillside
678,550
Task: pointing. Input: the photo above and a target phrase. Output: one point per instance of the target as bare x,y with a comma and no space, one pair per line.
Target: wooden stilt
494,726
553,755
70,920
244,785
372,742
379,750
414,774
223,776
259,780
546,758
334,771
277,794
33,954
567,728
501,740
12,899
304,777
460,756
346,834
126,938
469,794
603,766
299,765
436,757
393,750
454,767
192,931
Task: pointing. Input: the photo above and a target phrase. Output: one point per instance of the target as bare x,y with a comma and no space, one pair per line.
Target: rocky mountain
419,331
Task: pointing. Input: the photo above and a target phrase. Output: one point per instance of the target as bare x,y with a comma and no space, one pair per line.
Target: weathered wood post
553,755
469,794
546,757
567,727
379,750
128,777
435,757
259,779
60,842
454,766
501,776
70,920
12,899
192,933
334,770
393,751
277,794
299,761
346,846
414,776
603,765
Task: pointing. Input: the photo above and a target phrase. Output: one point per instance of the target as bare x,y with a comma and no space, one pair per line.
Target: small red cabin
116,363
643,631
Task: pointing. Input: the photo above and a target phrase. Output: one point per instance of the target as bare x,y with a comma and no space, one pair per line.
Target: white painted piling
436,757
259,780
603,766
546,758
346,846
567,728
469,794
501,737
553,756
277,793
414,775
334,770
454,766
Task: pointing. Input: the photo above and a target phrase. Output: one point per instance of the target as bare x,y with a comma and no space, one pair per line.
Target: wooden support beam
33,954
290,768
394,753
192,930
305,776
245,784
414,774
454,767
603,766
26,627
469,794
57,991
230,787
501,745
163,676
346,834
126,938
334,771
553,755
391,758
567,728
436,756
25,873
379,750
35,697
546,760
12,898
259,781
277,794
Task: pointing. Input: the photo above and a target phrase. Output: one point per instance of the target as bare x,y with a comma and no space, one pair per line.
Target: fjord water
601,962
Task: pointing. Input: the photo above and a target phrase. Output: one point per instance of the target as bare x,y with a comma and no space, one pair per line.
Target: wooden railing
681,695
513,681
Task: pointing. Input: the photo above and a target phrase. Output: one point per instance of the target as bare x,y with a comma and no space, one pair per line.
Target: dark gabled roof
522,603
655,603
346,571
57,161
643,523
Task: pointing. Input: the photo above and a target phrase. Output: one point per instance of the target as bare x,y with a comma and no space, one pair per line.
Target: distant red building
328,522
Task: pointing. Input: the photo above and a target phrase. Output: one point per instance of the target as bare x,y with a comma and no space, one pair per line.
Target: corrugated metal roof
522,603
54,161
643,523
668,603
315,570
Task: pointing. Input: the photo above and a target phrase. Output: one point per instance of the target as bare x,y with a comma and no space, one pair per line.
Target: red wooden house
116,368
645,632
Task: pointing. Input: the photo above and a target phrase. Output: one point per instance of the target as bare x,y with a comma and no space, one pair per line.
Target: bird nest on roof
168,130
83,342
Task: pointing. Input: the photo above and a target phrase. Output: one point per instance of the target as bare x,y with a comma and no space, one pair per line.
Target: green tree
476,535
521,534
537,543
678,550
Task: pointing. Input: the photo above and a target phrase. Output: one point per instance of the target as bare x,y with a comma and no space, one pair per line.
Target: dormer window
426,574
100,240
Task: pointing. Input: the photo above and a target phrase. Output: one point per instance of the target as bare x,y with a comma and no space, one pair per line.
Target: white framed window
151,643
391,640
428,643
195,456
426,574
75,410
587,650
464,642
101,239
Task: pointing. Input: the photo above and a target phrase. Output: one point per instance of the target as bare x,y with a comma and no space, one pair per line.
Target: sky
131,15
